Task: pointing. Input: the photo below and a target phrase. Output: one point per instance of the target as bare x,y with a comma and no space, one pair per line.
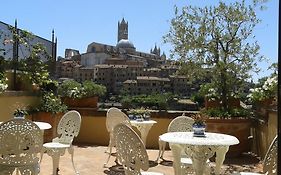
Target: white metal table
42,125
199,149
143,127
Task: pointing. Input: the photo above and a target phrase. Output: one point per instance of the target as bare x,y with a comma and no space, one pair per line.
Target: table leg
176,151
199,156
144,129
220,156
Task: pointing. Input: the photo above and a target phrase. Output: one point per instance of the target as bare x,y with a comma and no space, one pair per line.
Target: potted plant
199,125
34,71
20,113
50,110
265,94
75,94
235,122
139,114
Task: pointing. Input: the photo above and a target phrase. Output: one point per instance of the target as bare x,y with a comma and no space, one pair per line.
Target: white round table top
189,139
143,122
43,125
55,145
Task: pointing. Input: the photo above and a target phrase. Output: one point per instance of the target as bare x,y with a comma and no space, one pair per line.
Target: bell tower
122,30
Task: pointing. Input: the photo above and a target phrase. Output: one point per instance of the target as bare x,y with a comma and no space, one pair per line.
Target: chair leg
108,147
162,146
109,153
71,151
110,143
56,160
41,154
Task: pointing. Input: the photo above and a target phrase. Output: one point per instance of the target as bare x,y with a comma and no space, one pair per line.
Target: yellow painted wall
157,129
93,131
93,128
9,101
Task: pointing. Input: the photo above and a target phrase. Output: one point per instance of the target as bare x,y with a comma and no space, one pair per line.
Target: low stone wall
11,100
93,129
240,128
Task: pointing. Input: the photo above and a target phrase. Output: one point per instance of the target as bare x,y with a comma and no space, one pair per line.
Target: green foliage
199,119
198,98
3,82
140,111
3,65
218,40
70,88
20,112
49,102
154,101
92,89
265,90
74,89
221,113
34,68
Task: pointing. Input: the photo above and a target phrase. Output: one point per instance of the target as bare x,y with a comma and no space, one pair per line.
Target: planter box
87,102
232,102
52,119
240,128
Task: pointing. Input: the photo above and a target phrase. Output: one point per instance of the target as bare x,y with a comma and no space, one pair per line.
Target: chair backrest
20,142
181,124
270,160
115,116
69,127
130,149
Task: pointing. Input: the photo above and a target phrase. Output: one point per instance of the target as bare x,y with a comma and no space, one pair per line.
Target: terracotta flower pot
87,102
52,119
231,102
240,128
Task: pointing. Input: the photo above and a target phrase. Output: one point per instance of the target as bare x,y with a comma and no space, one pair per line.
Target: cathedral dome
125,44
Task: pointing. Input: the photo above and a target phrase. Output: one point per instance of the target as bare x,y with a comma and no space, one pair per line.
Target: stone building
122,67
66,68
147,85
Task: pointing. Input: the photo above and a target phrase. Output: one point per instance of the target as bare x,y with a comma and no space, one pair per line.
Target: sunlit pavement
89,160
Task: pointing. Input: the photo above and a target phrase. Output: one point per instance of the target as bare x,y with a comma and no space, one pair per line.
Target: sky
79,23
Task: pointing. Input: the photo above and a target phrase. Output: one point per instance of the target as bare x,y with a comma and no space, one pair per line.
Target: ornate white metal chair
114,116
20,142
131,152
179,124
269,162
68,128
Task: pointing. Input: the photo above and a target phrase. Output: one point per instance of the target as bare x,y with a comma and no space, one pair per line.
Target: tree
31,62
219,39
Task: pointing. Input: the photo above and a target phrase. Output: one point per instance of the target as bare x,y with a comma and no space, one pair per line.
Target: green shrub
90,89
74,89
70,88
49,102
233,112
154,101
